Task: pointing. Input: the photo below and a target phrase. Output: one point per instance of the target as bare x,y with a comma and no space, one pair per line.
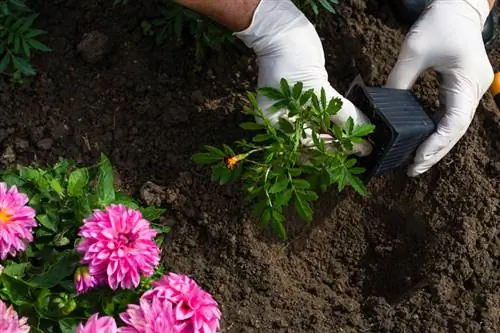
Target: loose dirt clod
152,194
94,47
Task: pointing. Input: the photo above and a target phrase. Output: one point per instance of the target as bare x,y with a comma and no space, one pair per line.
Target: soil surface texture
419,255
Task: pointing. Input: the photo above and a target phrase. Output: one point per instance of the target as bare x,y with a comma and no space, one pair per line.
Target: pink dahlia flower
84,281
10,321
118,246
195,310
151,316
95,324
16,221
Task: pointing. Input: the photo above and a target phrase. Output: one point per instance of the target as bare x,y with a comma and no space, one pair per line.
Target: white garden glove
447,38
288,46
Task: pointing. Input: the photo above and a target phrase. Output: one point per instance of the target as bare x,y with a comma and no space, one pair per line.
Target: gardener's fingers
412,61
461,94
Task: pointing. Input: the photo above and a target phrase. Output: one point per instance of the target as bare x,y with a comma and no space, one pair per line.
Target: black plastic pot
401,125
410,10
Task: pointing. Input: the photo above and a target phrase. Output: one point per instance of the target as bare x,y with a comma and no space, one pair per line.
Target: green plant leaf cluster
18,39
39,282
316,5
276,168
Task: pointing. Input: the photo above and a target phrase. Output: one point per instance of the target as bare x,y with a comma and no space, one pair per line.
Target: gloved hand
447,38
288,46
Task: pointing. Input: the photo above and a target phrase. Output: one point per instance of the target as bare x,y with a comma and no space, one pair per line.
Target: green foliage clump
18,39
39,281
276,167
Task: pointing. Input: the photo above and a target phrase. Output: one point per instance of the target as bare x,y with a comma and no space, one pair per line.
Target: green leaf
323,99
283,198
278,106
306,96
286,126
126,200
363,130
105,185
38,45
350,125
64,267
285,88
334,106
57,187
28,22
47,222
279,186
261,137
271,93
301,184
277,224
250,126
152,213
206,158
69,325
297,90
253,100
23,66
15,270
357,184
18,290
4,63
337,131
215,151
34,33
327,6
78,179
303,207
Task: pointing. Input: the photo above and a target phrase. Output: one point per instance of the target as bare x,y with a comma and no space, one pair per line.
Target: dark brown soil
419,255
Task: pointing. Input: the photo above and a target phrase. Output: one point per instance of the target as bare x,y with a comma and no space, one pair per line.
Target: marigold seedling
276,167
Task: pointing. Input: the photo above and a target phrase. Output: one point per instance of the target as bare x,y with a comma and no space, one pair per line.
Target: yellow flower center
4,216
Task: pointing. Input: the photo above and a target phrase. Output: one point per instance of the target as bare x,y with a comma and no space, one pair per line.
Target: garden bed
419,255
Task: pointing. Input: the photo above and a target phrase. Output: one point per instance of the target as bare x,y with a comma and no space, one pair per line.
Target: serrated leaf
357,171
363,130
250,126
334,106
271,93
105,185
286,126
77,181
279,186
